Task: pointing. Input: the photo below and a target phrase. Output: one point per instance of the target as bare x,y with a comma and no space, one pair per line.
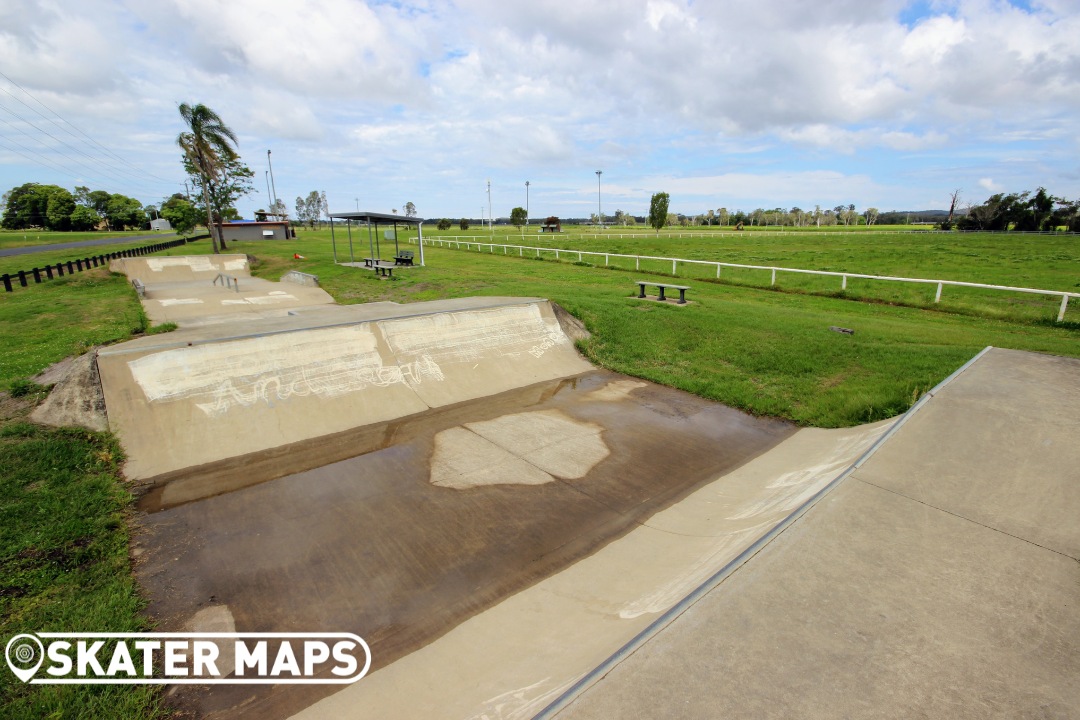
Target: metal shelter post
348,224
333,240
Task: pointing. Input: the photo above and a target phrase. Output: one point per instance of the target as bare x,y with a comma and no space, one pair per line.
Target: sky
736,104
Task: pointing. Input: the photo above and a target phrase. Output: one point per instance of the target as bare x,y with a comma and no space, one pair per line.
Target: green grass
1048,262
766,352
24,238
63,538
13,263
64,562
46,323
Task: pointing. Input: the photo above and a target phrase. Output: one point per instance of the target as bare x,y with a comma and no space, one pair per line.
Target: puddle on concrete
372,545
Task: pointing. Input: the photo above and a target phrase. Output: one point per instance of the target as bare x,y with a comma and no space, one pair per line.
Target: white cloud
989,185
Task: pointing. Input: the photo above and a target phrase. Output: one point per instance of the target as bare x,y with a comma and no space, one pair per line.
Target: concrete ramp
206,395
212,289
188,268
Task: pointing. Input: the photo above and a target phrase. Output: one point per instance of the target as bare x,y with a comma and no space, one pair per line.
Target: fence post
37,276
637,262
48,271
556,254
717,271
70,268
843,284
78,264
673,267
7,282
60,269
937,296
521,251
605,260
1064,304
773,277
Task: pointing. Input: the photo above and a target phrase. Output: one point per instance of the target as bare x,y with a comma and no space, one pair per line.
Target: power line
45,161
110,167
66,157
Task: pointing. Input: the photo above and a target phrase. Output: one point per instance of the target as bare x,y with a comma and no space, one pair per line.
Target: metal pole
371,244
348,224
266,176
272,185
599,212
333,240
526,203
491,218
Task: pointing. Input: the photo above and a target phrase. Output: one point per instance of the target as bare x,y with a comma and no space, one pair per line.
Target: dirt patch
77,398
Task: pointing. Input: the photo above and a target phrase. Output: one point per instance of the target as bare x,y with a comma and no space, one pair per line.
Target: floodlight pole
526,203
266,176
272,185
599,212
491,218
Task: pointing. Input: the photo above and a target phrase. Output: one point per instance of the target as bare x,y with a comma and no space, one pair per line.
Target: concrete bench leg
662,293
682,297
642,285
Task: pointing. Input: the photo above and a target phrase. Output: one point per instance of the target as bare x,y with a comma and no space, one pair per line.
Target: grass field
1049,262
63,541
25,238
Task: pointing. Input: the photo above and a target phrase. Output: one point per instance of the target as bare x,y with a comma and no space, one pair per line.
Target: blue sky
881,103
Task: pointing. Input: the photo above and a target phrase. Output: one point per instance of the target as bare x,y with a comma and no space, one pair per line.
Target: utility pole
599,212
272,185
266,176
526,203
491,218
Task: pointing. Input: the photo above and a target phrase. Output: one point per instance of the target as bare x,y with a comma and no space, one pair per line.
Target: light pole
272,185
599,212
357,204
491,218
266,176
526,203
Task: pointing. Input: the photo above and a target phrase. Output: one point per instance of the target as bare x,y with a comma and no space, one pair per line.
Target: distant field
767,352
24,238
1050,262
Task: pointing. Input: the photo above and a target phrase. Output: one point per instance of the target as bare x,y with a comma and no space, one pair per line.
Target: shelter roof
376,218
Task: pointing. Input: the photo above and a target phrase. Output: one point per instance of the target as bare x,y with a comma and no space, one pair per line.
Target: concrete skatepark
516,532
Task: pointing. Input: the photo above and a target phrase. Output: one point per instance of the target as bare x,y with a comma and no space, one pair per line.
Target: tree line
51,207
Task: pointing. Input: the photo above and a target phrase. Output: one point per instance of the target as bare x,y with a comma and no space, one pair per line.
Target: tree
723,215
464,224
871,215
444,224
308,209
658,211
181,214
954,200
518,216
124,212
84,218
410,210
230,182
207,143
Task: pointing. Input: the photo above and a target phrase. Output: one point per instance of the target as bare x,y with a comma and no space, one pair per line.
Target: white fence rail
468,242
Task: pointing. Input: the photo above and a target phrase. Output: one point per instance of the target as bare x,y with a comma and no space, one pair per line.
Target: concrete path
941,579
31,249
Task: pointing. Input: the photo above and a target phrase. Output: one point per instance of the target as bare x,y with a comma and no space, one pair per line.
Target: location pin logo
24,656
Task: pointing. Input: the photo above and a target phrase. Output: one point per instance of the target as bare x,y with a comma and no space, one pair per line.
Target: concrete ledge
301,278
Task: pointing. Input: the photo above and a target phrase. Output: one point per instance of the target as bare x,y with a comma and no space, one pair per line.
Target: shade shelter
373,220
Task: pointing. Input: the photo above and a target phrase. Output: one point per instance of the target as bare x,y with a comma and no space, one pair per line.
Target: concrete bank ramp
212,289
227,392
188,268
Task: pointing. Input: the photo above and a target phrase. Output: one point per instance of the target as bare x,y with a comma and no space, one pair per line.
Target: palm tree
206,143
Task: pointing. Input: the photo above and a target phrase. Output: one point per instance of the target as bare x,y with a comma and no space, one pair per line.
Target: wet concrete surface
370,545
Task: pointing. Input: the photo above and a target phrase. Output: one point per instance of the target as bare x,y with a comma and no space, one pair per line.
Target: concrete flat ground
941,579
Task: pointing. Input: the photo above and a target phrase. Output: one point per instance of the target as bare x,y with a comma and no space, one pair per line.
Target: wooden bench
664,286
405,257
